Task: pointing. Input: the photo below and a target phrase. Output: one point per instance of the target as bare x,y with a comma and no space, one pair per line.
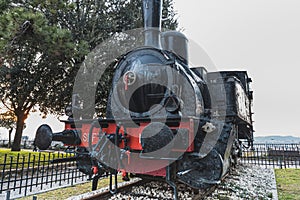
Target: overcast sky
260,36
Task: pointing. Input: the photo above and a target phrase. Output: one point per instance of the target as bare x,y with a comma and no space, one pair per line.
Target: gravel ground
243,182
247,182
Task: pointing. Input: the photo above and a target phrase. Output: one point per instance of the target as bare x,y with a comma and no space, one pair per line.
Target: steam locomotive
164,120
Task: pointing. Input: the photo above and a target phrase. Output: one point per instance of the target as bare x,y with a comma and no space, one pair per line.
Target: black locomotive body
164,119
238,104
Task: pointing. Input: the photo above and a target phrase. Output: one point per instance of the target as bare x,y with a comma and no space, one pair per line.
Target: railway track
121,189
146,189
154,190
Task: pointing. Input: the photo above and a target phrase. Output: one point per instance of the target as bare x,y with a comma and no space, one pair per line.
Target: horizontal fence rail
273,155
31,173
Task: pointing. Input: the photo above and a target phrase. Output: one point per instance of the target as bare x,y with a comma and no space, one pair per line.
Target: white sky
260,36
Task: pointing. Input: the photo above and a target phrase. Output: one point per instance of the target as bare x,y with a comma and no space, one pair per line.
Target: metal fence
273,155
22,175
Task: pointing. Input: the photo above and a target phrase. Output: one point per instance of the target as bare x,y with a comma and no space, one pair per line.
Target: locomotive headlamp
172,104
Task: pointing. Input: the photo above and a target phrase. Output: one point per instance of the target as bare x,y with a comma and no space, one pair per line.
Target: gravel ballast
247,182
243,182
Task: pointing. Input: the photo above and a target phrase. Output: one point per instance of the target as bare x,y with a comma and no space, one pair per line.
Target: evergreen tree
44,42
35,61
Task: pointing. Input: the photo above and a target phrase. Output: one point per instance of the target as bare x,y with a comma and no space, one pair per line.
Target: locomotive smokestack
152,22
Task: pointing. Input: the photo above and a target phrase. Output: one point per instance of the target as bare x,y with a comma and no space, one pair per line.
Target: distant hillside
277,139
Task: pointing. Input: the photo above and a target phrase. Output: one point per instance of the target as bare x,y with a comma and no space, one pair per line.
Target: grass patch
28,157
288,184
65,193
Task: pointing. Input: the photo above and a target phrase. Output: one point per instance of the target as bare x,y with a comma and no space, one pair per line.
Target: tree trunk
9,137
19,130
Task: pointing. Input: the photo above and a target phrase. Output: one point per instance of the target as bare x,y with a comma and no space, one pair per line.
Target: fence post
8,195
3,173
